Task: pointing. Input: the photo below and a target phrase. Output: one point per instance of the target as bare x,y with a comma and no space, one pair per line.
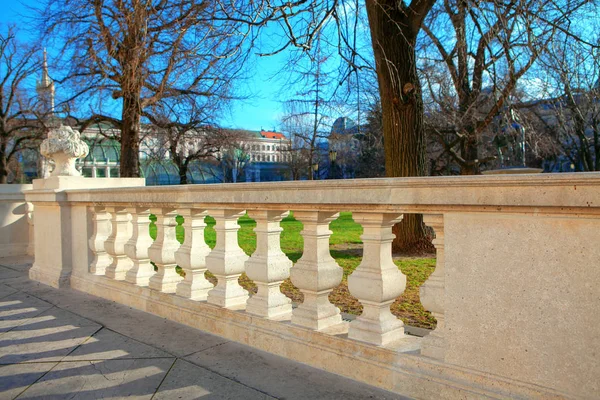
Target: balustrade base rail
397,368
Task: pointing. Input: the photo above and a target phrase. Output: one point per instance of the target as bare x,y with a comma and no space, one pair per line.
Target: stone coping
13,192
555,193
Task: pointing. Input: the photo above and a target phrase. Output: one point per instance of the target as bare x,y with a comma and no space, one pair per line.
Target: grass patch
346,248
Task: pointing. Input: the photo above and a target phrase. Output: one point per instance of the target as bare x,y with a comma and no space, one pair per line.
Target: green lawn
346,248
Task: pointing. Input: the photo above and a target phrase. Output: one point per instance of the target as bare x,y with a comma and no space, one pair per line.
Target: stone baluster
316,273
137,247
191,256
115,244
268,267
377,281
162,251
226,261
433,292
102,230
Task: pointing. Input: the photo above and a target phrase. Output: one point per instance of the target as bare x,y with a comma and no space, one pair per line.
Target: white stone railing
15,220
514,290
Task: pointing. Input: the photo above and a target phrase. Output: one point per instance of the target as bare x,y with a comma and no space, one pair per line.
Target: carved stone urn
64,146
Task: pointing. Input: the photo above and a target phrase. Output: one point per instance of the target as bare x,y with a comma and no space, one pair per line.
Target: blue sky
263,108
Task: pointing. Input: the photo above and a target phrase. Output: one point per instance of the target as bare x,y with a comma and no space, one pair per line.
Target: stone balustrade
15,220
512,291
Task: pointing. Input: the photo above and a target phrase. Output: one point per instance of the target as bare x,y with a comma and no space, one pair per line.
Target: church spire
45,77
45,88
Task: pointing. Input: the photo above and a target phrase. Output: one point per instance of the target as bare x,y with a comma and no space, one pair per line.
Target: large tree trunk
402,107
130,137
3,167
183,169
470,153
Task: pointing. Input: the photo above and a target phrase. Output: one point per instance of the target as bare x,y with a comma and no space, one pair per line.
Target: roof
272,135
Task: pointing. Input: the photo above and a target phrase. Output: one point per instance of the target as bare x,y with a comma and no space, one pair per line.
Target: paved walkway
63,344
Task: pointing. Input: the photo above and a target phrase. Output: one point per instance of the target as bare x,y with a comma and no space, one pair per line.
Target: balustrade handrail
564,193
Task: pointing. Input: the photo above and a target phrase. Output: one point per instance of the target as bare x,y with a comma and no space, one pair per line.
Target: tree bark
393,39
3,167
130,137
470,153
183,168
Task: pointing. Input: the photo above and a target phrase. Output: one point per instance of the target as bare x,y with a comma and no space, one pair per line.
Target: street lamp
315,168
332,157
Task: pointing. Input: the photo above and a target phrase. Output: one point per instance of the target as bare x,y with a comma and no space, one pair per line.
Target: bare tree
306,127
298,156
371,159
486,48
307,114
394,27
233,158
184,128
19,126
141,52
570,115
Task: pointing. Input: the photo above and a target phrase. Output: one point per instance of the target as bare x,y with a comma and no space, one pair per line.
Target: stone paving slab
19,308
154,331
42,345
187,381
6,273
109,345
52,335
6,291
280,377
61,344
15,378
132,379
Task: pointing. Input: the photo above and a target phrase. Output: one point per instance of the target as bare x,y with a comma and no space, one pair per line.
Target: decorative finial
64,146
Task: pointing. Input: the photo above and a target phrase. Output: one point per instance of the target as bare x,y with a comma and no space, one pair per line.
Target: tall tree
486,47
184,132
394,27
141,52
19,127
307,114
570,114
371,159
